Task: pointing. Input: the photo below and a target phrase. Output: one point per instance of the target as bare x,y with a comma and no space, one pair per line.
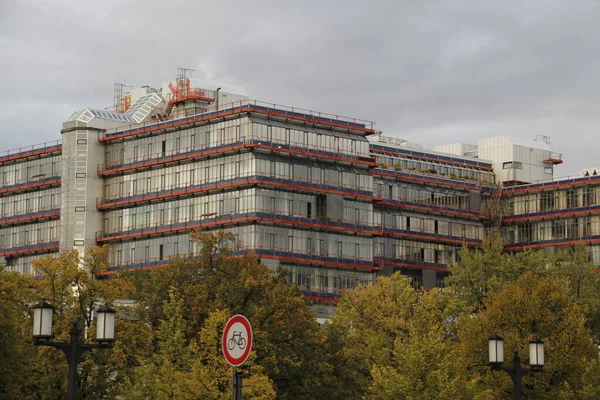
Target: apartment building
553,215
30,201
327,197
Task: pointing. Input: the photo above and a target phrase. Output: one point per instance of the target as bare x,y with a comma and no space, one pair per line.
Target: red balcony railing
242,216
234,181
222,147
24,153
244,107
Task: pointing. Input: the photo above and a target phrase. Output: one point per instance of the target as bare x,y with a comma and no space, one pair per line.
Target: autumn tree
182,368
389,341
488,269
17,355
287,338
69,282
531,306
576,266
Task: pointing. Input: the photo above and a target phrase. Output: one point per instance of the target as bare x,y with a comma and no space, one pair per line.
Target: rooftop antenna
183,80
543,139
119,100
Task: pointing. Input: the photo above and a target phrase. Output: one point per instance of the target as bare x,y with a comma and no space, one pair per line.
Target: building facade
329,198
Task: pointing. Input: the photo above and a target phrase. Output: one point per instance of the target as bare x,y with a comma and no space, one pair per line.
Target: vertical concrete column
81,186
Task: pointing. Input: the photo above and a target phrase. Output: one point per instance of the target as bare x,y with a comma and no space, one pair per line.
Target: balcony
30,217
239,108
30,152
431,237
427,207
221,148
31,185
554,158
405,263
434,179
283,255
29,249
244,216
281,182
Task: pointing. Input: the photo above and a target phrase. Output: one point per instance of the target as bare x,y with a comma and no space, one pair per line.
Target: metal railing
30,215
443,179
312,256
24,151
251,214
533,243
178,190
238,251
555,212
564,180
282,145
26,183
411,262
555,156
429,205
250,106
443,159
473,238
30,247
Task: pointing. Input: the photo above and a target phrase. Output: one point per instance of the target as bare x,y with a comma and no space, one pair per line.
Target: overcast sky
435,72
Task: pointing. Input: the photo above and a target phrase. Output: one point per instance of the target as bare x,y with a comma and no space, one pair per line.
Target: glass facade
29,206
553,215
315,198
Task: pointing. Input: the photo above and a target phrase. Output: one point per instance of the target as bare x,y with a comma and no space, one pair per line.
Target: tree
70,283
579,269
17,354
286,334
392,342
483,271
189,369
533,305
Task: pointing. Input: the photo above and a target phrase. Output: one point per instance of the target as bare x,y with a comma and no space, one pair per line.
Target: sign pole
239,376
234,384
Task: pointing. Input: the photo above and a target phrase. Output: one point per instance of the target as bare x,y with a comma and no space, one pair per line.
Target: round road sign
237,340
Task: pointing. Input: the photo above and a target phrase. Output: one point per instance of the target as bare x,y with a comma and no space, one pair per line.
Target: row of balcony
30,152
266,217
552,214
434,179
277,181
30,185
231,145
437,158
30,217
552,185
29,248
245,107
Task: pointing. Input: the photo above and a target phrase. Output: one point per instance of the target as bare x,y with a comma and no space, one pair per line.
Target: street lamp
105,326
74,349
42,320
217,98
536,361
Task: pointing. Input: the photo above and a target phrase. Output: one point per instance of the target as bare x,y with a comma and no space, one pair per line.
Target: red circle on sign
236,345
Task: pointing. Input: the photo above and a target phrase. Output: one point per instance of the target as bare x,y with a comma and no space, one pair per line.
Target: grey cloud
430,71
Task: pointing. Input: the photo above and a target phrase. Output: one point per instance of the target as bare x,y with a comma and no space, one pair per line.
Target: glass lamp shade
536,352
496,344
105,327
42,320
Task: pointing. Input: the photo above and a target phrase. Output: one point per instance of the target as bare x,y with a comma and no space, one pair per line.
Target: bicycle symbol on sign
236,339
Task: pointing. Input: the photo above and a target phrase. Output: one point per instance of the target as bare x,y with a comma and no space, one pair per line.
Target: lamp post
217,98
74,349
517,372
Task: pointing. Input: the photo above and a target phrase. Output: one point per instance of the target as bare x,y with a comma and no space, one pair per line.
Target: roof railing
292,112
29,149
